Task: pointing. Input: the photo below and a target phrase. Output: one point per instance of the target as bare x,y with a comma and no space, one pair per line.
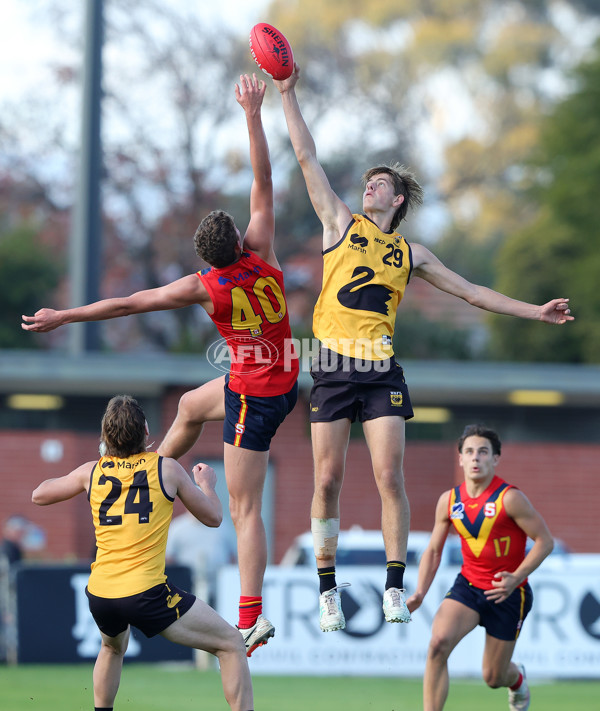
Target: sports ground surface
146,687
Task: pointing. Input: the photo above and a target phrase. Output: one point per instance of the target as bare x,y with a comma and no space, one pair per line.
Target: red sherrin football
271,51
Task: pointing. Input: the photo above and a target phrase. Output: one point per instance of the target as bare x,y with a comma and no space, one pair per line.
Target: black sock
326,579
395,574
103,708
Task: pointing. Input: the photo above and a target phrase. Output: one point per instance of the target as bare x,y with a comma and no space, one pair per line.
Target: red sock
250,609
518,684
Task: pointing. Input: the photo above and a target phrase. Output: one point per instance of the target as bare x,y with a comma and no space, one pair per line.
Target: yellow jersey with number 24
131,513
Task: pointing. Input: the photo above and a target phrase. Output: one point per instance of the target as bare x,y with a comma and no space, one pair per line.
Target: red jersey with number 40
251,315
491,541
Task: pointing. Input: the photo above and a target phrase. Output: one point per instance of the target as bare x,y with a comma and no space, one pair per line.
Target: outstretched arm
427,266
261,229
519,508
183,292
430,560
333,213
62,488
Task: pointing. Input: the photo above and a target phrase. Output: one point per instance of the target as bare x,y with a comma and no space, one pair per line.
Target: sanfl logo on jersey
489,510
458,510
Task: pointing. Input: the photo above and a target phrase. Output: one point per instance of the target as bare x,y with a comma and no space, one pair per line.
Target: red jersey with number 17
490,539
251,315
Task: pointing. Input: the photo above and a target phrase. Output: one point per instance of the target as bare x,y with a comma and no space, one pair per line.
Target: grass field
162,688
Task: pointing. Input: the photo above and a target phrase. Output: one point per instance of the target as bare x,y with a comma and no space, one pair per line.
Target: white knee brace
325,536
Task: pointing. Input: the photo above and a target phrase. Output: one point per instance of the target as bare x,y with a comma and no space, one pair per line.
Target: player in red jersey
243,293
493,519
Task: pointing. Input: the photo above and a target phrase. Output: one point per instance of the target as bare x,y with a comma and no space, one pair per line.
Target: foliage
452,88
557,254
455,89
418,338
29,272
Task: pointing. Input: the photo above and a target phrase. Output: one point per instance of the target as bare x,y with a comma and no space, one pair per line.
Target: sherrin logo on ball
271,51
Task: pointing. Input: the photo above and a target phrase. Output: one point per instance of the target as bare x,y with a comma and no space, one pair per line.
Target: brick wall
560,479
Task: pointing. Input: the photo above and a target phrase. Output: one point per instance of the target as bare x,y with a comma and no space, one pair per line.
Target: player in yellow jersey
367,265
131,493
493,519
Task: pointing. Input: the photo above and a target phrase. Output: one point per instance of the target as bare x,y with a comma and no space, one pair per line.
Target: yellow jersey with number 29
364,278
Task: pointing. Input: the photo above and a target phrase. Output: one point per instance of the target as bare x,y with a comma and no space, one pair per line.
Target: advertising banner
54,623
560,637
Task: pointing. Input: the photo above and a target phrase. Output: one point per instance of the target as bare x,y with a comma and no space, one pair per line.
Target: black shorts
251,421
502,620
151,611
352,388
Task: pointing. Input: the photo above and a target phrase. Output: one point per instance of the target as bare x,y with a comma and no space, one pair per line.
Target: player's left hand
556,311
503,586
204,476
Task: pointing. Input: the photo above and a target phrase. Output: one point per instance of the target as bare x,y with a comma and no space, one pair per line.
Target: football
271,51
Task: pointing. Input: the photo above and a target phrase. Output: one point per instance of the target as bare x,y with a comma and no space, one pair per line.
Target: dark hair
216,239
481,431
404,183
123,427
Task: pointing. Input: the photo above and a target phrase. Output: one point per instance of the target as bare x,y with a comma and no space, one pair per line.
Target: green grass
146,687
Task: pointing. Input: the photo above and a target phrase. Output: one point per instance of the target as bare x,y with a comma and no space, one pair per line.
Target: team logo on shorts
240,428
458,510
396,399
173,600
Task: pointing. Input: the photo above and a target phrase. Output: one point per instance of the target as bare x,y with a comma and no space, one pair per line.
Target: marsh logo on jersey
396,399
386,339
458,510
360,241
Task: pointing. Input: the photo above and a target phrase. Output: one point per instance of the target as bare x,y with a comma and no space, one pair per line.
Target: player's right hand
414,602
42,321
285,84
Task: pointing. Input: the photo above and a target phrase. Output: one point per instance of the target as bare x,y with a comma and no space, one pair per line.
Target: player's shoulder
444,499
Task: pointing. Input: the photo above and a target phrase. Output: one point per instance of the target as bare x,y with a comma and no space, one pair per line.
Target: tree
29,272
454,88
168,112
557,254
